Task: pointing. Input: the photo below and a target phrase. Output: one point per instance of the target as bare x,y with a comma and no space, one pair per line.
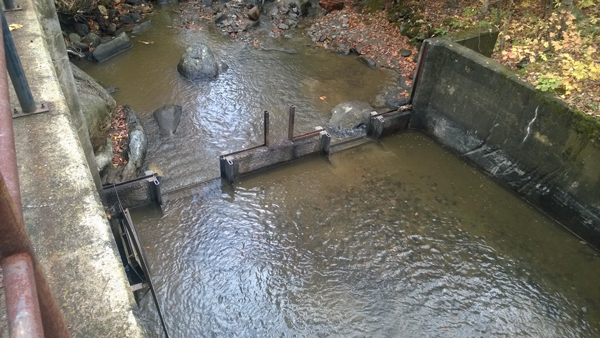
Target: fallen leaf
14,26
323,97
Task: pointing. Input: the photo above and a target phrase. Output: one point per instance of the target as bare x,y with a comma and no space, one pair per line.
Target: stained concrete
527,140
63,214
481,39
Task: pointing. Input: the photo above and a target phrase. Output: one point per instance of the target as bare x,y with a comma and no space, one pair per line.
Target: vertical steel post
266,128
325,141
291,123
9,4
15,69
8,165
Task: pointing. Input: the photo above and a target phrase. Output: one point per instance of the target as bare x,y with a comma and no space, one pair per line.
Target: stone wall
527,140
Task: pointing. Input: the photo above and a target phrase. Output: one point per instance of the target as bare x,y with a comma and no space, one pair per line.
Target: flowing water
393,239
227,113
398,239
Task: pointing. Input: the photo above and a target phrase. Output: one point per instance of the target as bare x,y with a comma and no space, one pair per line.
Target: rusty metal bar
24,317
417,73
133,234
23,275
307,135
291,122
266,128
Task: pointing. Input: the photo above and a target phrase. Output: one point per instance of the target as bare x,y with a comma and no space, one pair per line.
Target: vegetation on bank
552,44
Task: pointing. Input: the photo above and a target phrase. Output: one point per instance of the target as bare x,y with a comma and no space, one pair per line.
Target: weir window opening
387,238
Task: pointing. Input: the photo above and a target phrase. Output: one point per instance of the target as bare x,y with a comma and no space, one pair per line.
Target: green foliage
494,14
549,83
469,12
440,31
587,3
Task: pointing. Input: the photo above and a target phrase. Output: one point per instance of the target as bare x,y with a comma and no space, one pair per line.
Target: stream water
227,113
398,238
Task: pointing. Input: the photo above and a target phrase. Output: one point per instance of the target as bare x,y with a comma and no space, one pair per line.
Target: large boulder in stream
392,97
168,118
198,62
136,146
97,105
351,114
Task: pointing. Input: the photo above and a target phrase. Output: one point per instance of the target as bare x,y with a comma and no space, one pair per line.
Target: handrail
31,308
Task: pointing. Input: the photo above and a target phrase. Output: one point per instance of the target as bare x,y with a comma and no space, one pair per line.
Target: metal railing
31,308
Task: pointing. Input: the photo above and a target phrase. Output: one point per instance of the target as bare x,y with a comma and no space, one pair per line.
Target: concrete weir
62,210
527,140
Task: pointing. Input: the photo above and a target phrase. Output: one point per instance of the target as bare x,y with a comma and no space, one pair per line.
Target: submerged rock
168,118
351,114
112,48
254,13
141,27
368,61
392,97
92,39
198,62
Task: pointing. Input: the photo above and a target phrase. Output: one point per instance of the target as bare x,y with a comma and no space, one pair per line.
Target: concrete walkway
62,210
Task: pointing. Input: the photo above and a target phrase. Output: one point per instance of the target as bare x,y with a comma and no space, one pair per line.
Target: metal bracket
375,129
17,8
40,108
155,187
227,168
325,142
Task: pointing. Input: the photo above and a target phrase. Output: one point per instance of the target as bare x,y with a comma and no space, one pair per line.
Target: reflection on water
227,113
397,239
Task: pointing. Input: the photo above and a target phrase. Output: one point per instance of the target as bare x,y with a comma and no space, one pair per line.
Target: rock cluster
234,18
373,37
283,17
109,21
331,5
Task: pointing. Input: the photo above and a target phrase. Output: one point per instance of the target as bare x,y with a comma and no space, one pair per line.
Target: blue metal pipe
15,70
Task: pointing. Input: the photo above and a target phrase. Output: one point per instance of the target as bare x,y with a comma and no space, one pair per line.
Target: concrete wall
525,139
62,211
46,15
481,39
